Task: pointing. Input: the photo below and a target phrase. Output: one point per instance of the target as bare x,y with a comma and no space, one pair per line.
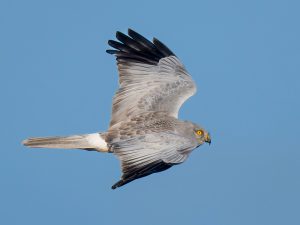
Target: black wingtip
136,48
118,184
118,34
130,30
162,47
110,51
133,33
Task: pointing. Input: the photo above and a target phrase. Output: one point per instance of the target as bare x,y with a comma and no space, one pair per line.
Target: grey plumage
151,138
83,141
144,131
145,87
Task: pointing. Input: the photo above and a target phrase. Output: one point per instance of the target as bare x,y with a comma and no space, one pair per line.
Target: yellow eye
199,132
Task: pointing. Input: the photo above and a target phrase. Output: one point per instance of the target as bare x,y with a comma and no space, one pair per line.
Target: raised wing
151,78
151,153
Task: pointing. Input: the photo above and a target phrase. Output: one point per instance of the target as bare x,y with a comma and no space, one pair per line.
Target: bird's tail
92,142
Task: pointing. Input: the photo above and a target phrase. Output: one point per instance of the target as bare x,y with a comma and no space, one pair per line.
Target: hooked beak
207,138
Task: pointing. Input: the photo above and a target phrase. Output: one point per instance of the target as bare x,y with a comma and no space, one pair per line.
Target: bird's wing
151,78
151,153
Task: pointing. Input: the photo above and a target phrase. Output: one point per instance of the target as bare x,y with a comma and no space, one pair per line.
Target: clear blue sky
56,79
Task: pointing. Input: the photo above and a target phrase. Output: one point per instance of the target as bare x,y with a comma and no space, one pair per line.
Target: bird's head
201,134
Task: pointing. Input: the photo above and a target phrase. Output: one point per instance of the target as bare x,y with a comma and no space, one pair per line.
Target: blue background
56,79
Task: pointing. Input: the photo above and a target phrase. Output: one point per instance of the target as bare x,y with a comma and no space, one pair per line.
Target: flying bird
144,132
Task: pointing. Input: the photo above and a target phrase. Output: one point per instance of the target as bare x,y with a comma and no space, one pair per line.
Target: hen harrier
144,132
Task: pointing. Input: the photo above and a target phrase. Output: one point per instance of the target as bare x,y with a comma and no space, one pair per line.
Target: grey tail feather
91,142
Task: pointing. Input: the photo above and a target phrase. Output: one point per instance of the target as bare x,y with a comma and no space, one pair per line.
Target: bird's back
146,123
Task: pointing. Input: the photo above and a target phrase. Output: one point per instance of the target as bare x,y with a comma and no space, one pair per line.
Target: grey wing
152,153
151,78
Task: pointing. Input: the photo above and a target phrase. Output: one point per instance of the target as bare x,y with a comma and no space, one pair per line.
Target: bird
144,131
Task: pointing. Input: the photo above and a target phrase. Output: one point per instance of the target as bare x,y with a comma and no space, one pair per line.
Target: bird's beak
207,138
